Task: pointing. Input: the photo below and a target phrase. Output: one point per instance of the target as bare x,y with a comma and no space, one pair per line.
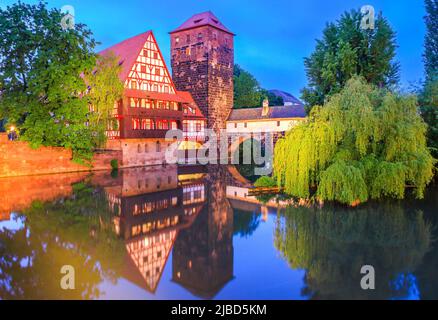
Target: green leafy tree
431,40
43,91
364,143
346,50
429,94
105,88
247,91
429,112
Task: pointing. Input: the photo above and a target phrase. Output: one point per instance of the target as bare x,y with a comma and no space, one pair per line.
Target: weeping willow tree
364,143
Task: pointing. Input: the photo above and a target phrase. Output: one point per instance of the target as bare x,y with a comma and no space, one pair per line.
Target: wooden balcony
144,134
155,113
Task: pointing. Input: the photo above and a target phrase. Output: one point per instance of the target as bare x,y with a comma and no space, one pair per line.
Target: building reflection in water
202,260
157,209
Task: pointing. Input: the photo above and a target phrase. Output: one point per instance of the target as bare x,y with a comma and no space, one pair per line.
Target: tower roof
202,19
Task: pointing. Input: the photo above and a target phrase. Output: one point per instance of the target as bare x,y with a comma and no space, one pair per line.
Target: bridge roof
279,112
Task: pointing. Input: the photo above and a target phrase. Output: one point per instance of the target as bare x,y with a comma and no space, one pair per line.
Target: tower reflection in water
157,209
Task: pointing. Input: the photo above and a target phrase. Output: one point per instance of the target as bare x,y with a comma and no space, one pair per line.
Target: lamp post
12,134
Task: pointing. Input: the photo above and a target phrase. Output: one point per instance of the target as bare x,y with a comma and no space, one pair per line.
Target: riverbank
17,158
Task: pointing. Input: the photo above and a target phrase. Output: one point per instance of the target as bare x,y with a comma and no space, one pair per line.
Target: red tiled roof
279,112
128,51
202,19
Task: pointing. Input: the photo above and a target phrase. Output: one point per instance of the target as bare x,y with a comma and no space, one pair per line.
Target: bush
265,182
114,164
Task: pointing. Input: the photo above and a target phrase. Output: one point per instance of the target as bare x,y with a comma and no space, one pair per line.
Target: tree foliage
363,143
429,112
43,92
429,94
431,40
346,50
248,93
105,88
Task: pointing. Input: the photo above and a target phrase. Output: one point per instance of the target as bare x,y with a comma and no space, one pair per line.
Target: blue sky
272,38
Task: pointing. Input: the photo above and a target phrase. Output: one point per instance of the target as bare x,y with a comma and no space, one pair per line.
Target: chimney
265,110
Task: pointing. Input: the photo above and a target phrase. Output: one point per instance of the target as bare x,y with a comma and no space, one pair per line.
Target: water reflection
333,244
180,232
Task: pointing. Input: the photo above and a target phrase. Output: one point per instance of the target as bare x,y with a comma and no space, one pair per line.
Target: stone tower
202,57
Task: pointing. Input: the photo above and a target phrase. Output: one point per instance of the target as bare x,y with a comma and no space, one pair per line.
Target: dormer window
197,21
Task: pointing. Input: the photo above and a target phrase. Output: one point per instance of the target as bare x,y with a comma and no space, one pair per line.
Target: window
133,84
148,124
135,124
174,125
278,123
139,151
198,126
188,38
145,53
214,36
199,36
155,55
246,125
187,51
155,87
146,148
185,126
177,40
133,102
143,69
157,71
235,125
158,146
166,89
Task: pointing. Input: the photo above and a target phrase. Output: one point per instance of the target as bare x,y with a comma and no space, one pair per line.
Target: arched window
158,146
139,149
146,148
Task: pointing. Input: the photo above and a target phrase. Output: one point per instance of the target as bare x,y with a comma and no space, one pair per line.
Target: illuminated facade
149,215
151,105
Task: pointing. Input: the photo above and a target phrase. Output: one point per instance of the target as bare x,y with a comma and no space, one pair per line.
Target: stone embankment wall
18,159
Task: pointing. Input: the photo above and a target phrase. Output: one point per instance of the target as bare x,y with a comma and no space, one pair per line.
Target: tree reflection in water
76,230
332,244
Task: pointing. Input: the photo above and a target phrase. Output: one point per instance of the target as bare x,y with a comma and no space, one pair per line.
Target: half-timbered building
151,105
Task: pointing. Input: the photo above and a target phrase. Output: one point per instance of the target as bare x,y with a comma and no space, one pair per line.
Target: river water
195,233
